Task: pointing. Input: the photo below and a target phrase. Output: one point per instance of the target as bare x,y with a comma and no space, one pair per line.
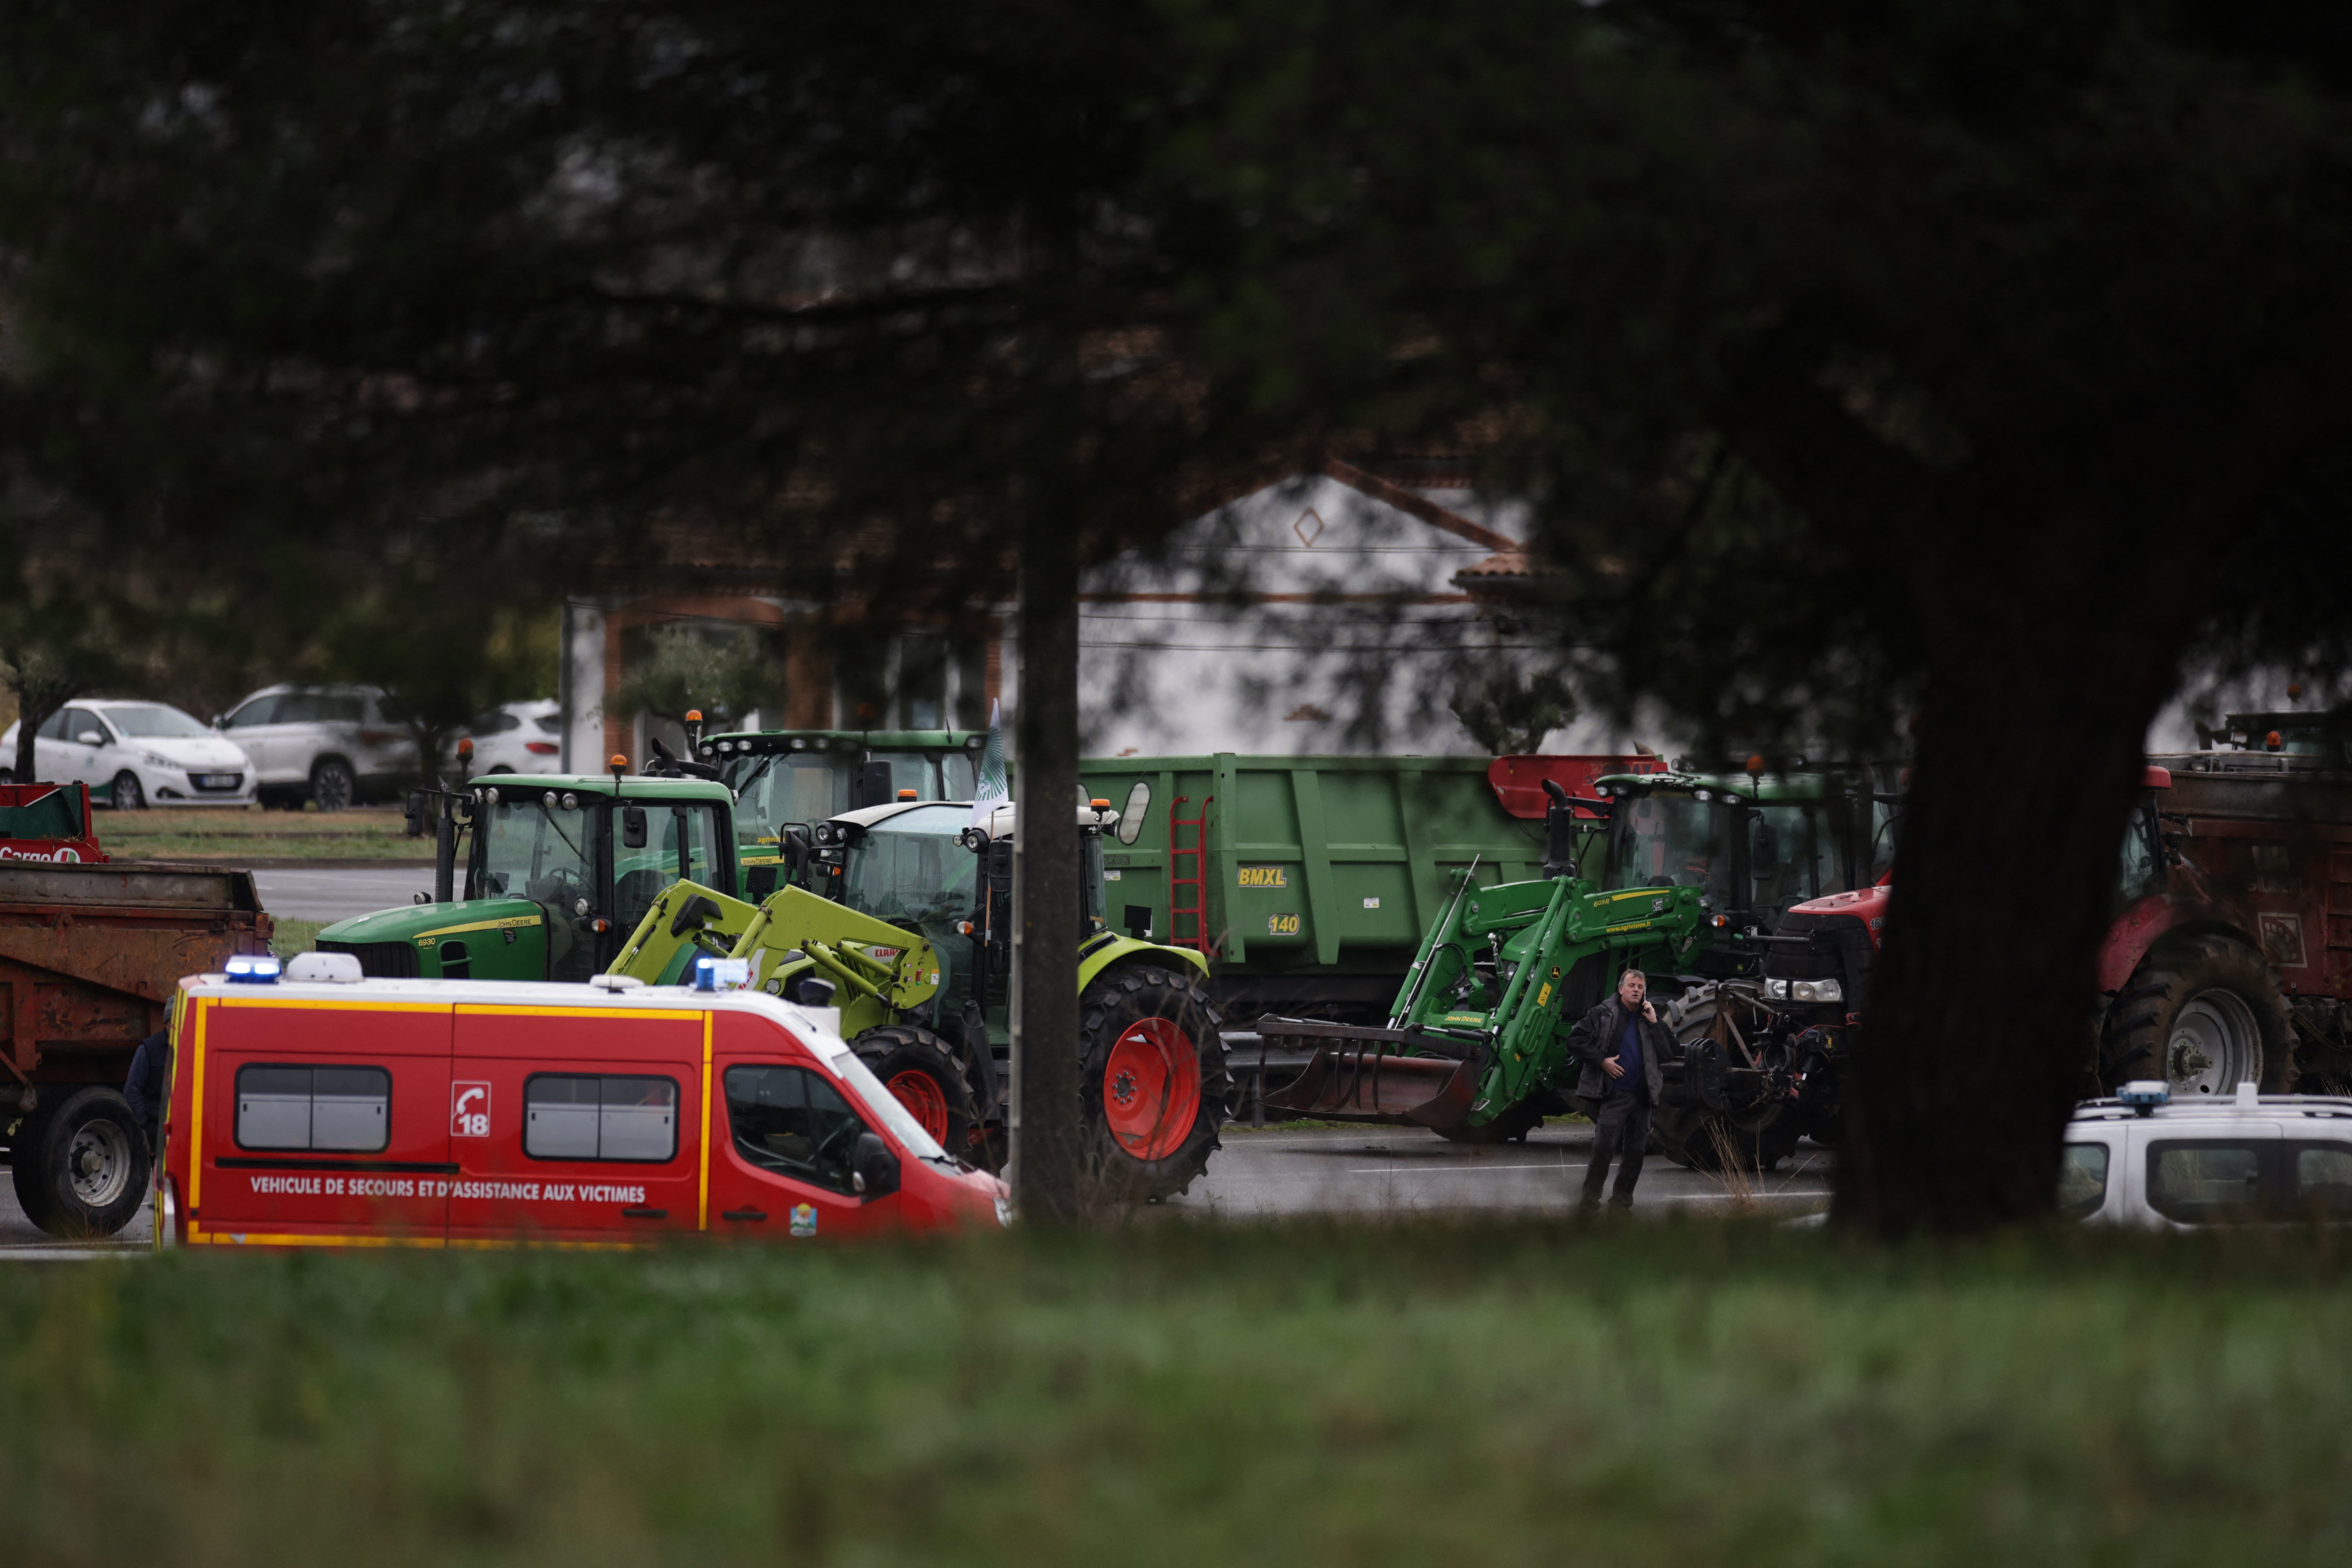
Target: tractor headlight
1816,990
826,833
1775,990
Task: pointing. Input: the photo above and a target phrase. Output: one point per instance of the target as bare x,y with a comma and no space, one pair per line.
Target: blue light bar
721,973
252,969
2143,1095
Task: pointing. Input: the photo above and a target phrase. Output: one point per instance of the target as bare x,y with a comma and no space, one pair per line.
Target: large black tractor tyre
81,1167
1699,1139
1152,1080
2203,1014
922,1072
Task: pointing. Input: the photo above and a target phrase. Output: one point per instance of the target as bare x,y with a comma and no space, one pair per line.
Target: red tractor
2230,957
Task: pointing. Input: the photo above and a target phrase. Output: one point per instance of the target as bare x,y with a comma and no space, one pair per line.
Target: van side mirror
91,738
873,1169
633,828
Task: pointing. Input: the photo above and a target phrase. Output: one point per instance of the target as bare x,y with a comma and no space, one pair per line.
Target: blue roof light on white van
2143,1095
252,969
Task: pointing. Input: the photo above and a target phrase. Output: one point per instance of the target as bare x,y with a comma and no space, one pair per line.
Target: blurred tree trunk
1049,1149
1978,1033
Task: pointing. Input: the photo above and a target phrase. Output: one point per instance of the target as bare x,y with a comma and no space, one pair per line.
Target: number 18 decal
469,1109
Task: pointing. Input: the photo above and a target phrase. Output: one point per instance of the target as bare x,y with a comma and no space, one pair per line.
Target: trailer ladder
1197,882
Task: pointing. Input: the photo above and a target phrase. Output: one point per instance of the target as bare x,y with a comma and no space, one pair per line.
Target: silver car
330,744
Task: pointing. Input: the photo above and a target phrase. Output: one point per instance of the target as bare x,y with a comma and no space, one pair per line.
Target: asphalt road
1367,1172
1375,1171
297,893
22,1242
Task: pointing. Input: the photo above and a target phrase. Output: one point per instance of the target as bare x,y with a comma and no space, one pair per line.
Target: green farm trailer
1309,882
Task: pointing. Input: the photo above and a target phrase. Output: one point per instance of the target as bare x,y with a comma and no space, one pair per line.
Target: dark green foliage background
1489,1395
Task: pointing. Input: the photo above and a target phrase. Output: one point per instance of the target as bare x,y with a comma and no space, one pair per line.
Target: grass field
295,936
1670,1394
239,837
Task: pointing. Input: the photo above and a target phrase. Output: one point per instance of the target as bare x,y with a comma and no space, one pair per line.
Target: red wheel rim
1151,1089
919,1092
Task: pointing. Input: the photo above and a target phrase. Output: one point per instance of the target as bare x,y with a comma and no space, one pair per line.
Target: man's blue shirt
1628,1057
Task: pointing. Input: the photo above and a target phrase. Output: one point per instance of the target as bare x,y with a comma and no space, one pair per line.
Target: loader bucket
1362,1074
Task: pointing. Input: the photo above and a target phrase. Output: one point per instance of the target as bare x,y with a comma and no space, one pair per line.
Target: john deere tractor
1760,1065
1474,1047
539,877
905,924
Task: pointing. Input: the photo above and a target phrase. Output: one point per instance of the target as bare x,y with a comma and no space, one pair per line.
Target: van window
2082,1179
580,1116
2205,1183
324,1109
2322,1180
792,1122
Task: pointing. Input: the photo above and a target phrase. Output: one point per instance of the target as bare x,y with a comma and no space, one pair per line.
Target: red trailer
90,950
313,1112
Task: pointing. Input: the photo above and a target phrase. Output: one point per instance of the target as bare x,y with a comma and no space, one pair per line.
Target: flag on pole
993,792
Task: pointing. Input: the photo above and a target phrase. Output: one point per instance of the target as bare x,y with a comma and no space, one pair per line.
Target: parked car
518,738
2251,1158
331,744
133,754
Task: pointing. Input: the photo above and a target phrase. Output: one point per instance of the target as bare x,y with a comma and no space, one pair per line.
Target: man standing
146,1088
1623,1046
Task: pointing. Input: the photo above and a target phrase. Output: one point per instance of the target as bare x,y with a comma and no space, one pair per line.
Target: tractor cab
1756,845
925,867
786,781
539,877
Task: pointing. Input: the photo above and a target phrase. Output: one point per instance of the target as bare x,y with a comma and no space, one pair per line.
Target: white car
2260,1158
518,738
135,754
330,744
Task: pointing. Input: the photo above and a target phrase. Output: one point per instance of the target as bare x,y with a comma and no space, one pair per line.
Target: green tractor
555,873
1755,1074
786,781
1476,1045
911,934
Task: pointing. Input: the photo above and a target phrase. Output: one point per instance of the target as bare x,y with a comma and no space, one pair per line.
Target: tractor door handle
745,1214
644,1214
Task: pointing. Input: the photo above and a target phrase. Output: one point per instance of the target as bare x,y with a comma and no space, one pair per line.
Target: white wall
1169,669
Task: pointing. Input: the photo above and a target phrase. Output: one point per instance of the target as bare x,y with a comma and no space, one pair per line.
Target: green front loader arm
880,972
1481,1023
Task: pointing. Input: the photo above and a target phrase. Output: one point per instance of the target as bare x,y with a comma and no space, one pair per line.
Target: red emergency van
356,1113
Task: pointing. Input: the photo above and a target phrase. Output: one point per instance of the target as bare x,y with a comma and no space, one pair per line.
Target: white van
2256,1158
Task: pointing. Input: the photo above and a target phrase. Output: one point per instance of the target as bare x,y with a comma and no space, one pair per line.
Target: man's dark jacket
1596,1036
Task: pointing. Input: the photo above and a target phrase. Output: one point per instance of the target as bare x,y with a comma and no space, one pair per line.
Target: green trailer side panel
1329,865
